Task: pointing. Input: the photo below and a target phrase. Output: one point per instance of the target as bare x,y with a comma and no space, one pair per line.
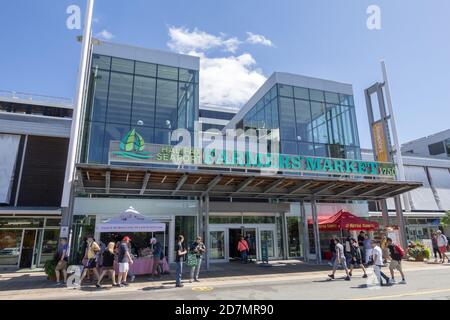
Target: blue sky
320,38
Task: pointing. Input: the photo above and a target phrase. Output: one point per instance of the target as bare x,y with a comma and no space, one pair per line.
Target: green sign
133,149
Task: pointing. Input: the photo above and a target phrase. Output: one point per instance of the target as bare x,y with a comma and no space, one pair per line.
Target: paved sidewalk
34,285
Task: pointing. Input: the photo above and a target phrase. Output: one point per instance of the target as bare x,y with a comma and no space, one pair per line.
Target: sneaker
347,278
120,285
393,281
116,285
331,276
190,281
132,278
403,281
365,276
350,274
125,284
179,285
196,280
98,286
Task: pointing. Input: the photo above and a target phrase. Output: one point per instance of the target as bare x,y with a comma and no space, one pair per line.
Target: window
101,62
316,95
288,147
113,132
143,102
321,150
167,72
119,102
301,93
216,114
320,129
145,69
166,104
303,121
99,95
305,149
447,146
331,97
96,131
122,65
162,136
286,91
287,119
187,75
436,148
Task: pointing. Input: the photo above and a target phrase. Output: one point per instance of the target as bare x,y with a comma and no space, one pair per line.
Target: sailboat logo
132,146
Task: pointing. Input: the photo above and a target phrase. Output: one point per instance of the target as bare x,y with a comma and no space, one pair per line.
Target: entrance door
26,255
267,243
234,236
250,236
217,245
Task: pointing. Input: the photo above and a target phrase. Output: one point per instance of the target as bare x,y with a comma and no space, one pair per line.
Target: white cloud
229,80
95,20
258,39
183,40
105,35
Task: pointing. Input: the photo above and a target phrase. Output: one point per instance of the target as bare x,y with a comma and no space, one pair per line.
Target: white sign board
128,227
64,233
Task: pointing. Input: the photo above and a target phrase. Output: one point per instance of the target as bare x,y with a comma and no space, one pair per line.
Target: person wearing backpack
397,253
356,259
442,245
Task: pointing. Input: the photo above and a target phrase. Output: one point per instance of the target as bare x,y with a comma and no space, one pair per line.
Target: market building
138,99
34,137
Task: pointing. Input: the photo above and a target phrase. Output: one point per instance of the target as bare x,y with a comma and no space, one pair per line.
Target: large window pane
332,97
120,94
301,93
167,72
294,241
122,65
10,247
49,245
166,104
216,244
287,119
288,147
303,121
143,102
186,105
286,91
305,149
186,226
320,130
145,69
187,75
101,62
316,95
113,132
99,93
321,150
162,136
96,131
275,118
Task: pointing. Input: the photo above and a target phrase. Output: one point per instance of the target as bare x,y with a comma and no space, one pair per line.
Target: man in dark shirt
396,261
361,239
181,252
124,261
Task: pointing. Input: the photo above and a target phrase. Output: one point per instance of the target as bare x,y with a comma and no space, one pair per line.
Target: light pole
75,129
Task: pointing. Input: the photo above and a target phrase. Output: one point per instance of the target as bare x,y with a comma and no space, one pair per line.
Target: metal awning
93,179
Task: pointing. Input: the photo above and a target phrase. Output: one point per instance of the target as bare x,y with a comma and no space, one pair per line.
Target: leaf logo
132,141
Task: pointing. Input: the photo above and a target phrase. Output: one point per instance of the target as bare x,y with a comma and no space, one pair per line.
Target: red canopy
344,220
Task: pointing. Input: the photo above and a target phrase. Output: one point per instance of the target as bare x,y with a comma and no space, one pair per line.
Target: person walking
108,265
356,258
243,249
434,242
442,243
124,261
332,248
61,258
396,253
181,252
361,245
367,248
91,255
157,250
348,249
198,248
340,259
377,258
384,248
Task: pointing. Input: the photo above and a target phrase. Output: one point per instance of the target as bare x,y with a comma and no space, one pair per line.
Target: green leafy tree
445,220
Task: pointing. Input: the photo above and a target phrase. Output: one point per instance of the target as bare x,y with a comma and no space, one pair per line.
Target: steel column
305,231
316,230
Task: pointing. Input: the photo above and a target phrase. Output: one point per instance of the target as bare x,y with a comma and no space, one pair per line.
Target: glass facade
311,122
127,94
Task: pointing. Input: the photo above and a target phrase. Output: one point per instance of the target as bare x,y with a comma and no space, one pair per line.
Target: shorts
109,268
61,265
443,249
356,262
124,267
91,264
394,264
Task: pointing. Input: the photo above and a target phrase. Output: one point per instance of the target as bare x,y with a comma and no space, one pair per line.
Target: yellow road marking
415,293
202,289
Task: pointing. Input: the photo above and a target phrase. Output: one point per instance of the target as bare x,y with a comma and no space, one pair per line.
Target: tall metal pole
305,241
77,110
316,230
397,149
208,247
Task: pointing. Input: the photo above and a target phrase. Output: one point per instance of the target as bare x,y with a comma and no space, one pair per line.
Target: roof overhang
93,179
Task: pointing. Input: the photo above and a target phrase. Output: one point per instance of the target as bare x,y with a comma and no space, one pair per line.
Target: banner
380,142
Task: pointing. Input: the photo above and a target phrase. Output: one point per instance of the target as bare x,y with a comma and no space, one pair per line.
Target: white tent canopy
130,221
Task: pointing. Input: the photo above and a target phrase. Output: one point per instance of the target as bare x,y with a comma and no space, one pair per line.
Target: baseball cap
126,238
152,240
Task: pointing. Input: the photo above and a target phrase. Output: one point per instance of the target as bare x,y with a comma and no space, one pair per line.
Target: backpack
399,250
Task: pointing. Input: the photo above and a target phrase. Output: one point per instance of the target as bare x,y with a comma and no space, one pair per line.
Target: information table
143,266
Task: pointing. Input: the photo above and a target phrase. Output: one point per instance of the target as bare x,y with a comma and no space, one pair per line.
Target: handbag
191,260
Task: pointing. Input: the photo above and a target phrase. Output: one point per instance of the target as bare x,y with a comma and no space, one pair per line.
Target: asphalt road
423,284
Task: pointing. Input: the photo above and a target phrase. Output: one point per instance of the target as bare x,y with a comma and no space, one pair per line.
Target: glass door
266,244
28,242
250,237
217,245
37,248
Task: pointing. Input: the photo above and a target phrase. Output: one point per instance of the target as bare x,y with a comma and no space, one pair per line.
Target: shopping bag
191,260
